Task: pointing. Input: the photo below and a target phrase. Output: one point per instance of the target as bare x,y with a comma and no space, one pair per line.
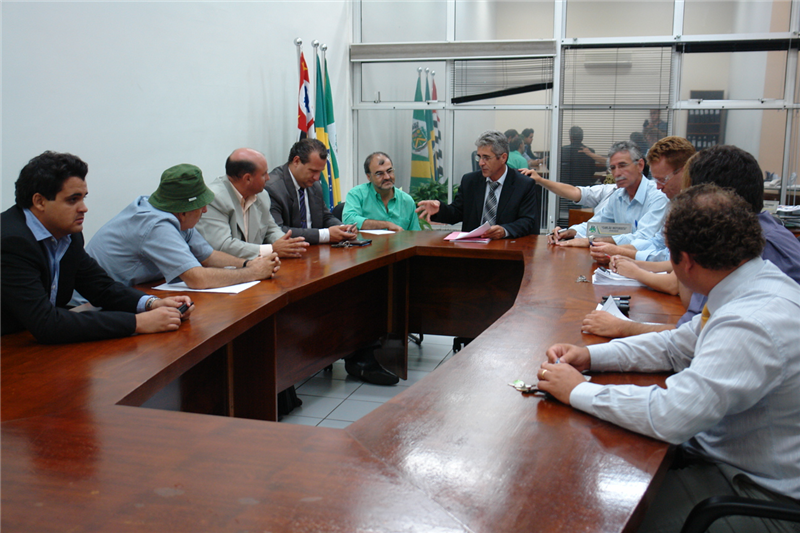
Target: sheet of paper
377,231
611,307
606,277
474,234
230,289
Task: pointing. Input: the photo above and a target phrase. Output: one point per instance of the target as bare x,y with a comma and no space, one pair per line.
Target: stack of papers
604,276
470,236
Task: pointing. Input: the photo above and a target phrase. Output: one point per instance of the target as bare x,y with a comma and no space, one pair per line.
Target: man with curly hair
732,403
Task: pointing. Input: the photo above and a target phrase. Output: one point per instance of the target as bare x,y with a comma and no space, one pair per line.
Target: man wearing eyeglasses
497,194
666,158
636,202
379,204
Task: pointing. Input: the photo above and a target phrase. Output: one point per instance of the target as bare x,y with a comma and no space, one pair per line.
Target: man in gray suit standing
296,196
238,221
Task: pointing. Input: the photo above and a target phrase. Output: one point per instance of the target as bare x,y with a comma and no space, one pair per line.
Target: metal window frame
451,50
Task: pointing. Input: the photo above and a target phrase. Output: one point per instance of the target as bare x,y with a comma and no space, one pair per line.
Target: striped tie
490,207
303,220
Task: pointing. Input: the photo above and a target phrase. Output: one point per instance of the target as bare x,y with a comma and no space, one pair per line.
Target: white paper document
606,277
377,231
230,289
470,236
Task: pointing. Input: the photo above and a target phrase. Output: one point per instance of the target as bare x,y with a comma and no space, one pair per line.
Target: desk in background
459,451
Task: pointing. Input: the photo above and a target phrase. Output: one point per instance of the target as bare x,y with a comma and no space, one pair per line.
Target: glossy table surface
458,451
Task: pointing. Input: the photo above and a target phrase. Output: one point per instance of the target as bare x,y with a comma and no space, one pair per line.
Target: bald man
238,221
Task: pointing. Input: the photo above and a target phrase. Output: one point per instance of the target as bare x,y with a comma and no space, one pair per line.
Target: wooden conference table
458,451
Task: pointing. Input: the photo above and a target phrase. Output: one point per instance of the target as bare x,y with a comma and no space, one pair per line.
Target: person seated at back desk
378,204
515,158
578,163
637,202
731,403
154,237
496,194
239,220
43,261
296,196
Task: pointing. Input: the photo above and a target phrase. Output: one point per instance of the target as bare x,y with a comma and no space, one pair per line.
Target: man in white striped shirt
732,402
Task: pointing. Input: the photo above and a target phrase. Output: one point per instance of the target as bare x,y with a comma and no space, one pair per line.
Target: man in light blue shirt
636,202
154,237
732,401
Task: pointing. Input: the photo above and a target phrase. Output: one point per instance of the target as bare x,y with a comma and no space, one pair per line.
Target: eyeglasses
381,174
485,158
621,166
663,181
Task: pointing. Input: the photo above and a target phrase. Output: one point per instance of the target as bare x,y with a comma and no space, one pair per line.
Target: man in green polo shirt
379,204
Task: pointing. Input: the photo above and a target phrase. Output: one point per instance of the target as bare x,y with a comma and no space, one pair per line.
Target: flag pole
324,64
315,44
299,45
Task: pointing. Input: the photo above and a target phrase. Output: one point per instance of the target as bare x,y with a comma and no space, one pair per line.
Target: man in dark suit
43,261
497,194
296,196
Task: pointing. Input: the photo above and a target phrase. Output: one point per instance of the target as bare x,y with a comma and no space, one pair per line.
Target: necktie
490,207
303,220
704,317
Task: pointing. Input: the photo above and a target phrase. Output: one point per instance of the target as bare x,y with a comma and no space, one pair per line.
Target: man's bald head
244,161
247,171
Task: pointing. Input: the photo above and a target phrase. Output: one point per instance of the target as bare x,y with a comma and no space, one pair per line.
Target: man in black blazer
298,181
43,261
510,202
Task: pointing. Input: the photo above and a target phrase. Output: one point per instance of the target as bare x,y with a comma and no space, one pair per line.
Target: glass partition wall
716,72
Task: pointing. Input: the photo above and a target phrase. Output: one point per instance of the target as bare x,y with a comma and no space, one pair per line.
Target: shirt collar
40,233
725,290
245,203
296,186
502,179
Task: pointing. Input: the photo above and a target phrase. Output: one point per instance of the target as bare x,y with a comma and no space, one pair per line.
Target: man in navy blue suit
497,194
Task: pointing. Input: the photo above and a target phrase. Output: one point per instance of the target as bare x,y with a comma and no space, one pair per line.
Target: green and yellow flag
420,144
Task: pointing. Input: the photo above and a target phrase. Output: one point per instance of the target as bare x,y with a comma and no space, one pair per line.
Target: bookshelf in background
706,127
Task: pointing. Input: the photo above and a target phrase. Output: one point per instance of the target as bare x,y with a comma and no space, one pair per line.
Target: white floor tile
352,410
325,385
301,420
437,339
376,393
316,406
336,424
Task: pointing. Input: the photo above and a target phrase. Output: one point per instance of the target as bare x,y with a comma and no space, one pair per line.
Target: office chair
475,166
710,509
337,210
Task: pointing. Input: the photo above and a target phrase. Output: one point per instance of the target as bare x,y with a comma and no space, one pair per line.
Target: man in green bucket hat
154,237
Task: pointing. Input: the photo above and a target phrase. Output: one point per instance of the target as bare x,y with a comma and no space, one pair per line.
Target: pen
562,230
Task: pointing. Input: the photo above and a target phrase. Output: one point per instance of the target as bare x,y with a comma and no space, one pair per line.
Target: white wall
136,87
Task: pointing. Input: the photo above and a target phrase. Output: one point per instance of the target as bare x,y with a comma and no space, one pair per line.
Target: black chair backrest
337,210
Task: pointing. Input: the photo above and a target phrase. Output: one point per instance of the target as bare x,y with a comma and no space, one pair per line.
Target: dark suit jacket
26,290
517,209
286,211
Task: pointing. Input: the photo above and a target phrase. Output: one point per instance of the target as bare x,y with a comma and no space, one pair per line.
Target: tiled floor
334,399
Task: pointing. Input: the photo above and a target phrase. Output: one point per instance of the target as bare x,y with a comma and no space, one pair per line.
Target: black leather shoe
362,365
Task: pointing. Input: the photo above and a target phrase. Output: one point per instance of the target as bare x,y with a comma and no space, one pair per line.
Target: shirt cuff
582,396
264,250
324,235
602,357
142,303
